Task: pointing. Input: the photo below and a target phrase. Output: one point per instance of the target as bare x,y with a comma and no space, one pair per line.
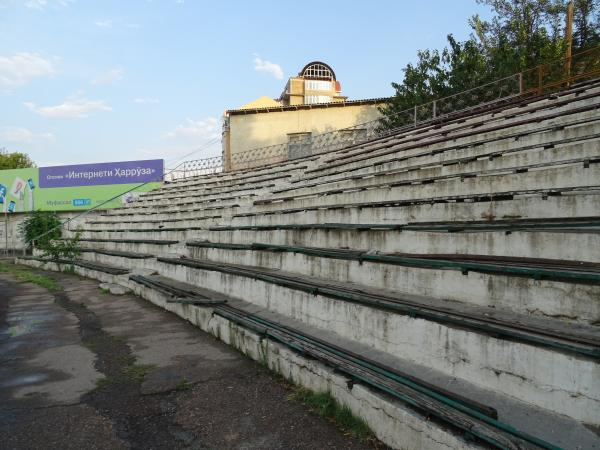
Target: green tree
43,230
14,160
521,34
586,21
38,223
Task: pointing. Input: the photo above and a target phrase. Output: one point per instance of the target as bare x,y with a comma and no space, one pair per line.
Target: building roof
314,64
261,102
370,101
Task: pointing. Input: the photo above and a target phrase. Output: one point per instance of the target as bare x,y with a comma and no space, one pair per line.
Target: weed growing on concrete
103,383
25,275
137,372
105,290
326,406
183,385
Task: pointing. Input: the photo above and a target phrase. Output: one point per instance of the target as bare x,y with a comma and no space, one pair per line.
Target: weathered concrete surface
162,382
115,289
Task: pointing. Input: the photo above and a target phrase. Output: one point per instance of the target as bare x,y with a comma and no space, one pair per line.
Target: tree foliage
38,223
14,160
62,249
42,230
521,35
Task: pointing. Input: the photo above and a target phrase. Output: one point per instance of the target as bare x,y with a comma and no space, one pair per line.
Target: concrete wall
256,130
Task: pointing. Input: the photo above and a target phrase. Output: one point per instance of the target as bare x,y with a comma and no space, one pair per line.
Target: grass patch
183,385
326,406
25,275
105,291
104,383
137,372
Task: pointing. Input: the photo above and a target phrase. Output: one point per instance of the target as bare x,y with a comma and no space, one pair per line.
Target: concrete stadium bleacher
462,253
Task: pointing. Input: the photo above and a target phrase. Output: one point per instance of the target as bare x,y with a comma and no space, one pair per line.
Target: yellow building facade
267,131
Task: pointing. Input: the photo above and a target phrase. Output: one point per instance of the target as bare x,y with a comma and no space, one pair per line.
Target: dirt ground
83,369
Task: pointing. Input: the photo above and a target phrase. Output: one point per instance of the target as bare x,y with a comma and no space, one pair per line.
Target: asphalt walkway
80,368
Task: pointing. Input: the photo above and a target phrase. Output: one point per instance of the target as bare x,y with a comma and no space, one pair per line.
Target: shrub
35,229
42,230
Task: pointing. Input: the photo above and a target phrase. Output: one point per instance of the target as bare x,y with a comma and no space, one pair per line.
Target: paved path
81,369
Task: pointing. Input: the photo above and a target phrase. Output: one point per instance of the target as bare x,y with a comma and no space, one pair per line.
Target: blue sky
90,81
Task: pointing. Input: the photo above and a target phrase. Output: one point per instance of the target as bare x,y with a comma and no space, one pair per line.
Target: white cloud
20,135
103,23
74,107
196,130
261,65
109,77
21,68
42,4
145,100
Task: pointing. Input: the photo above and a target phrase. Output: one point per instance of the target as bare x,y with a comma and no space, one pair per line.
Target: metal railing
489,93
195,168
553,76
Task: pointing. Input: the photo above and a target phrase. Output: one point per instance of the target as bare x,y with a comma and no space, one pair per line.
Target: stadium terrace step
129,255
263,321
234,186
467,159
530,204
571,224
140,246
242,176
539,269
159,198
131,241
490,185
209,211
524,127
434,175
523,204
96,267
530,109
479,351
517,141
568,240
555,223
511,287
410,394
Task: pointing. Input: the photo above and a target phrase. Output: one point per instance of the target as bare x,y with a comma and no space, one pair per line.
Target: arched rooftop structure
317,70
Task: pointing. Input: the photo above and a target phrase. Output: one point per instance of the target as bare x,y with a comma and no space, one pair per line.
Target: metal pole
521,86
540,80
415,115
569,39
6,231
434,108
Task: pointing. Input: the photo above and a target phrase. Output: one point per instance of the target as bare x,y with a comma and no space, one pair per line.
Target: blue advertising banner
124,172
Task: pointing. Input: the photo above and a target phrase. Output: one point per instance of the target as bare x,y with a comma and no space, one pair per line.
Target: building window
318,85
312,99
318,71
299,145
